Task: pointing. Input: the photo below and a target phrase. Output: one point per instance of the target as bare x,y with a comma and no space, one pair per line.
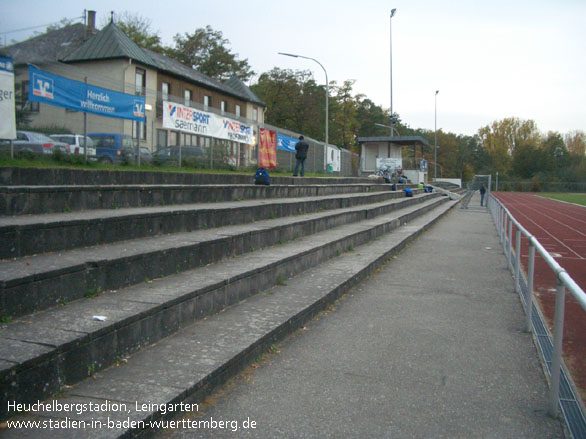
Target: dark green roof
72,44
49,47
235,83
110,43
399,140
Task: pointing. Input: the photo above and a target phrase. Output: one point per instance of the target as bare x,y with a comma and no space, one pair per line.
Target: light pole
327,87
435,142
391,53
387,126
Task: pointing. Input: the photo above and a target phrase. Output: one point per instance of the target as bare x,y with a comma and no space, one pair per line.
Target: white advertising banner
190,120
7,104
333,159
391,164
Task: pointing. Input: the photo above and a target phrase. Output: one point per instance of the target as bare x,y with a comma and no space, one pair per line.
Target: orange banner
267,154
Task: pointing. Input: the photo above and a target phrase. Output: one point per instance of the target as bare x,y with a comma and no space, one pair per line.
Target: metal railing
504,222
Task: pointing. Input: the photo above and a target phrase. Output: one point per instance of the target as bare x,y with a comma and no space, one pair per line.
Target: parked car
33,142
112,147
75,144
145,155
170,154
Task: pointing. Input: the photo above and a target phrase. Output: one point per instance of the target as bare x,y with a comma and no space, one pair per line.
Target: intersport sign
178,117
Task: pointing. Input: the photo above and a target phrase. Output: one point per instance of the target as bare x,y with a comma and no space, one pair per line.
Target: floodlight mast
391,57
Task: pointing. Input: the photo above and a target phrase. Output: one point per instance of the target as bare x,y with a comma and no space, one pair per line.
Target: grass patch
76,162
568,198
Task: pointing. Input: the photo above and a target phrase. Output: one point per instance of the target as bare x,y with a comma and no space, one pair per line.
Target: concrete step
60,345
34,234
28,200
13,176
42,281
186,366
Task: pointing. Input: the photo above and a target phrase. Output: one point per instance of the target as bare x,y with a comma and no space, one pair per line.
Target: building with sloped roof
109,58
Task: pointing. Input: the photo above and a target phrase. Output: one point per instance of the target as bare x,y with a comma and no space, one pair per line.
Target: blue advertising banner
51,89
286,143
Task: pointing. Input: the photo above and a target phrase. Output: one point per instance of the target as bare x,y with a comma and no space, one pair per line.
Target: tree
576,143
557,156
206,51
528,161
139,30
64,22
294,101
343,115
369,114
501,138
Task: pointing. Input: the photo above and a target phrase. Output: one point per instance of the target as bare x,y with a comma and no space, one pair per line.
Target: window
187,96
223,106
33,107
255,114
237,110
140,82
139,130
207,101
165,91
161,138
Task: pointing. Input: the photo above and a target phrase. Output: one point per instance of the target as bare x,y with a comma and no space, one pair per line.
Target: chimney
91,21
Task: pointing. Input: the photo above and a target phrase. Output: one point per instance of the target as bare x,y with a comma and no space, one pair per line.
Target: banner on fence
333,159
48,88
190,120
7,106
267,155
285,143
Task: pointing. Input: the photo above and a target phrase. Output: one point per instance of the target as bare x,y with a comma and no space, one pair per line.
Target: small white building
388,151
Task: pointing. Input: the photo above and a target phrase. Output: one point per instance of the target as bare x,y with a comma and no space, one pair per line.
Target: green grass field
73,162
568,198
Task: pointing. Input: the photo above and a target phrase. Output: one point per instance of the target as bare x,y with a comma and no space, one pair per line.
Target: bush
126,160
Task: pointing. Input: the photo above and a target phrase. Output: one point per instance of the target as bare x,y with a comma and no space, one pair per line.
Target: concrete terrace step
13,176
33,234
188,364
60,345
27,200
38,282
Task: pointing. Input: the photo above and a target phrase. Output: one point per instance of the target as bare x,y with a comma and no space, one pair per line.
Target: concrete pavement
431,346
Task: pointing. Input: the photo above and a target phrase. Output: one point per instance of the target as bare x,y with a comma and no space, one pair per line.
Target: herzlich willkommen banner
56,90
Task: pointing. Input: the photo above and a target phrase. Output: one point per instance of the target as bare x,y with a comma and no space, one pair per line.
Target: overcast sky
489,59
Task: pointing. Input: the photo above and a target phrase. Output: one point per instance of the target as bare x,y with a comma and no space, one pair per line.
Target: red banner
267,154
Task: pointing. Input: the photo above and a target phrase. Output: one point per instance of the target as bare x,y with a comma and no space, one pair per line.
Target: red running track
561,230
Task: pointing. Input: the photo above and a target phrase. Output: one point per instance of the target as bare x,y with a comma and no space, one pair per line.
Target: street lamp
327,86
388,126
435,143
391,52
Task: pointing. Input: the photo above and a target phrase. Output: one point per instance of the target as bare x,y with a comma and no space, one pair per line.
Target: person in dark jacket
301,149
482,194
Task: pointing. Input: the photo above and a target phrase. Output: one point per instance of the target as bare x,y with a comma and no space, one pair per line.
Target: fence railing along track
550,346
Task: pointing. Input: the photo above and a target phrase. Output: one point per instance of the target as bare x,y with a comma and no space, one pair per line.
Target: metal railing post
518,261
510,249
530,277
504,233
556,360
505,225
